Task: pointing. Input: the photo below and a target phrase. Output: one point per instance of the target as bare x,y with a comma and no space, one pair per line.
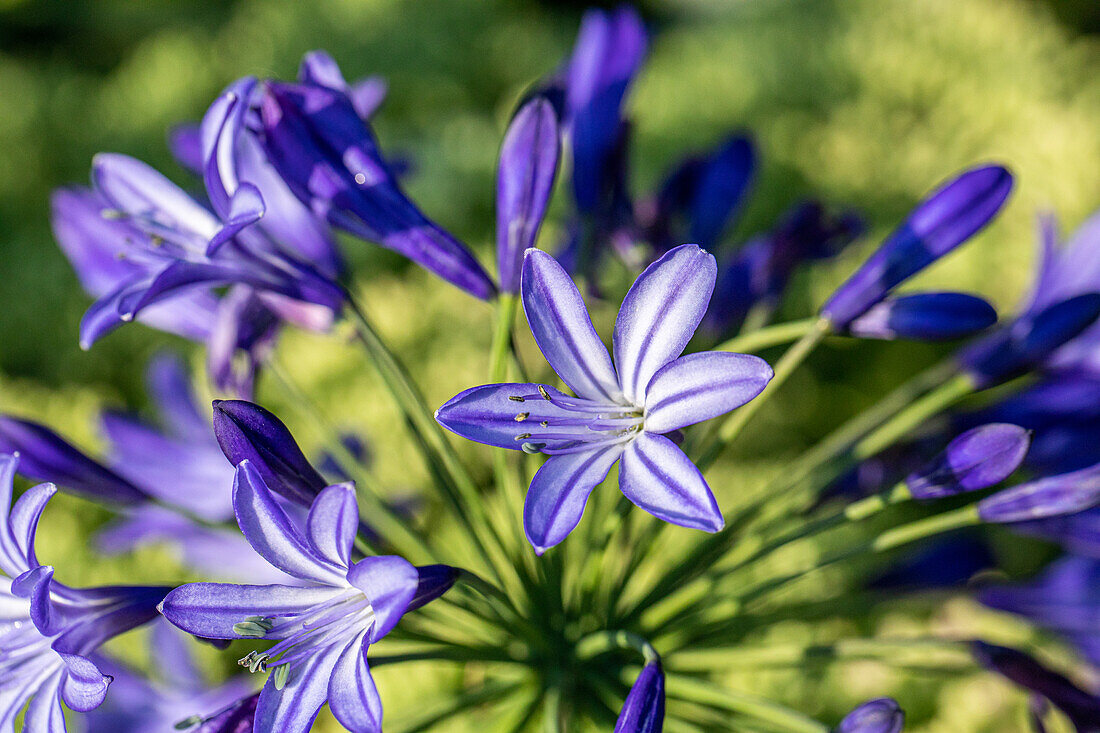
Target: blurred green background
866,103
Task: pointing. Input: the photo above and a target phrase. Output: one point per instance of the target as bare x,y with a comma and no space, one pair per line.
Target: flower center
576,425
306,633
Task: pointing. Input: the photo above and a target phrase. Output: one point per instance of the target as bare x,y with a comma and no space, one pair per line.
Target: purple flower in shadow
48,630
322,628
621,411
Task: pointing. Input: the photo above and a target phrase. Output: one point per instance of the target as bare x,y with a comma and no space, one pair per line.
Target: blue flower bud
939,224
644,709
977,459
881,715
925,317
1067,493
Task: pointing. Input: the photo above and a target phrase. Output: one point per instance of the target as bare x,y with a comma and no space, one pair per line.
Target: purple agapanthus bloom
324,627
48,630
329,158
1063,599
940,223
924,317
1044,498
622,410
977,459
881,715
644,708
757,274
176,696
525,180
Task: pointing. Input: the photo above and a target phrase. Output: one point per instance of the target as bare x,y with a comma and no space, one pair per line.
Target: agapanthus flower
1050,496
176,696
698,200
1081,707
757,274
976,459
624,410
940,223
324,627
644,708
160,478
328,156
525,180
924,317
881,715
1063,598
48,630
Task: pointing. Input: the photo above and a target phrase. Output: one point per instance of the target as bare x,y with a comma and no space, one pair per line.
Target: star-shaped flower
624,410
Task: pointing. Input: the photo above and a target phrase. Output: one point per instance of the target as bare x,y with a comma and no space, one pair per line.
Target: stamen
532,448
188,722
523,436
253,627
522,416
544,393
516,398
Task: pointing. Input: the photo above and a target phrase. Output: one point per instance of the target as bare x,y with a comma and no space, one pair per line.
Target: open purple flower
48,630
329,158
322,628
621,411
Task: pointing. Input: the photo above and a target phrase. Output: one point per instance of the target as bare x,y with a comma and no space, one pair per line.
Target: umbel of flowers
578,611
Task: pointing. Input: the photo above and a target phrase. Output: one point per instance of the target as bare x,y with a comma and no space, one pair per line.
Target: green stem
382,518
933,403
445,654
464,701
736,421
710,695
458,486
897,652
599,642
764,338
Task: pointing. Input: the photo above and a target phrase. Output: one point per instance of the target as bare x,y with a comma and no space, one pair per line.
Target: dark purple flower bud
881,715
525,180
433,581
977,459
925,317
246,431
1054,496
1029,341
1082,708
237,718
46,456
644,709
608,53
939,224
720,189
330,160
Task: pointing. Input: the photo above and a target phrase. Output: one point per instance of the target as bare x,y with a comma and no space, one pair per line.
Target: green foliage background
867,103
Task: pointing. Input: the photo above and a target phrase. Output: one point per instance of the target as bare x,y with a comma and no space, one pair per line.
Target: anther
522,416
523,436
516,398
280,675
544,424
112,214
544,393
532,448
188,722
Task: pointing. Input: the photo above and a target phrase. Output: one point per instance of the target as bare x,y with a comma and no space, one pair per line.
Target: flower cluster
318,574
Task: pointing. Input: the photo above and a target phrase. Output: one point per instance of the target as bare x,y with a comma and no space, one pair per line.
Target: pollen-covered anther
544,393
522,416
517,398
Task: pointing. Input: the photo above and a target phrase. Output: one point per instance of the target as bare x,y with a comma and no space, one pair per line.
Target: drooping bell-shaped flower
525,180
924,317
881,715
644,708
321,629
947,218
49,630
979,458
329,158
622,410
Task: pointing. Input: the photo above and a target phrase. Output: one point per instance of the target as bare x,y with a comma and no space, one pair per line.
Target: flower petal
23,521
488,414
332,522
561,327
270,531
559,491
352,695
83,687
700,386
390,583
294,708
211,609
44,714
660,314
658,477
